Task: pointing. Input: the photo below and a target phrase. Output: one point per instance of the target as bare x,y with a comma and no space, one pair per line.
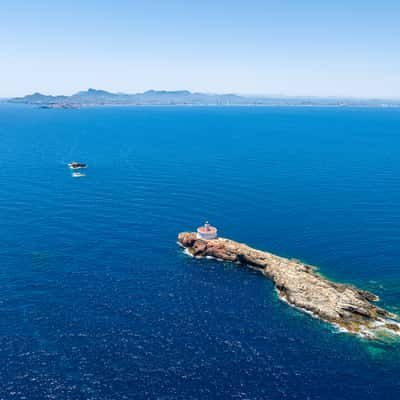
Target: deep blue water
98,302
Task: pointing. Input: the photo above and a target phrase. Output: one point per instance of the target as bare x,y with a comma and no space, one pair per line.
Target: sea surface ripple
98,302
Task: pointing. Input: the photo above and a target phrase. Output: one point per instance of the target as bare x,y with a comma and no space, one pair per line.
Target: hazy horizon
345,49
250,95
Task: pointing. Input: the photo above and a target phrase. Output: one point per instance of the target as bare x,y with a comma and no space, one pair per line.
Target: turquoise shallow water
98,302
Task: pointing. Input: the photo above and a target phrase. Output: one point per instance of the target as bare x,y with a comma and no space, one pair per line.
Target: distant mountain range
94,97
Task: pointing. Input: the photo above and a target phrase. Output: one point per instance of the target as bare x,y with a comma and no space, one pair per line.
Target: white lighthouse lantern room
207,232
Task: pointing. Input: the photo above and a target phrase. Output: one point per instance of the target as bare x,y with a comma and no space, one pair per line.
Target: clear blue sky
292,47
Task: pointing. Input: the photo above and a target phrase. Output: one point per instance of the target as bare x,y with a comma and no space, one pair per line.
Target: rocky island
301,286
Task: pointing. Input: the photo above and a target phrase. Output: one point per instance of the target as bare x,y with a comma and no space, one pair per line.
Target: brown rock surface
301,286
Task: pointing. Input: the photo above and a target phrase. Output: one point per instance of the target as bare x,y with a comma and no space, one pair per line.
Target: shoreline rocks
301,286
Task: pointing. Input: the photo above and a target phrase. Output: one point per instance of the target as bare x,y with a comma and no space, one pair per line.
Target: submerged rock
301,286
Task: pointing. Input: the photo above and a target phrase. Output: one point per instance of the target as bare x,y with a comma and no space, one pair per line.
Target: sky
286,47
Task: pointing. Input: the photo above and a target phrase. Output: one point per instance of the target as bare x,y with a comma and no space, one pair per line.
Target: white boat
77,165
77,174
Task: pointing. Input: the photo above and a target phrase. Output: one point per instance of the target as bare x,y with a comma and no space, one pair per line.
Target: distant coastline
95,98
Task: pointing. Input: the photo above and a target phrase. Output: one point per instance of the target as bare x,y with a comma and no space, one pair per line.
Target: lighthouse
207,232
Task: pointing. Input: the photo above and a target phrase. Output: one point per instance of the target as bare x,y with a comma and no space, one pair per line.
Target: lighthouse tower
207,232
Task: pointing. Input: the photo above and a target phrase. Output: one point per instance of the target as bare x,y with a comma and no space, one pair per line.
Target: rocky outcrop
301,286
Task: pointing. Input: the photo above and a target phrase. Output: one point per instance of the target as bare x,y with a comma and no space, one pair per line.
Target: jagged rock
301,286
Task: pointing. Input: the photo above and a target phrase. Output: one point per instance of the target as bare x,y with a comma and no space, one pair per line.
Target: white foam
187,252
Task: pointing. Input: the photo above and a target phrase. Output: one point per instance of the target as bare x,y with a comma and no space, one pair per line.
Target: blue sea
97,301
